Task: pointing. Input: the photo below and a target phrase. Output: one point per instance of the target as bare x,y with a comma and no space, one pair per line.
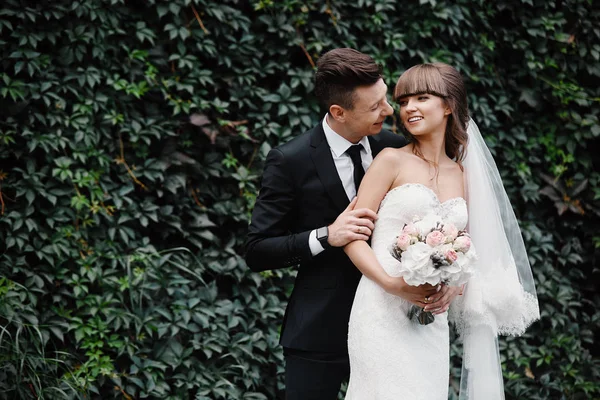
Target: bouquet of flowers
432,251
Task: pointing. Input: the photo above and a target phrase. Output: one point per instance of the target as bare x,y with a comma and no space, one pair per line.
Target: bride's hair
444,81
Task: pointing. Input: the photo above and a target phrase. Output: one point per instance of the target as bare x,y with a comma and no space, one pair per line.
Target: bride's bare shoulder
393,156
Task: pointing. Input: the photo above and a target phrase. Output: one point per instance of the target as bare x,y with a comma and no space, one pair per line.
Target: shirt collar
339,144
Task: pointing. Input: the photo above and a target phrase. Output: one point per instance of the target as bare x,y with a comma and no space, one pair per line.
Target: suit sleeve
270,243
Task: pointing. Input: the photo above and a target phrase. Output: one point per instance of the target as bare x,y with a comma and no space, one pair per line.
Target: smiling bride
391,355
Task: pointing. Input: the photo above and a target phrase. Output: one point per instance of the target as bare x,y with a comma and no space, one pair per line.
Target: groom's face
370,110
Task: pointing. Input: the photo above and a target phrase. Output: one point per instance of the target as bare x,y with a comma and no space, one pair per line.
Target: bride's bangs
423,78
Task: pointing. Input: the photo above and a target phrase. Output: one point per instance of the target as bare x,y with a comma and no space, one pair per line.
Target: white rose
454,275
417,267
427,223
462,270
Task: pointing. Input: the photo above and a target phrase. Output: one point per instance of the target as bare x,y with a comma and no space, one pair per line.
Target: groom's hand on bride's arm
440,302
352,224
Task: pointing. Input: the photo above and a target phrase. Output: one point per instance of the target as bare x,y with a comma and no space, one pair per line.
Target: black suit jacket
301,191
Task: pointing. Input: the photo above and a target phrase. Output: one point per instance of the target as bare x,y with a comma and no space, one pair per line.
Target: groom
304,216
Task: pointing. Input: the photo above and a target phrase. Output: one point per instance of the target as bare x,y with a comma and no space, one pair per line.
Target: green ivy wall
132,136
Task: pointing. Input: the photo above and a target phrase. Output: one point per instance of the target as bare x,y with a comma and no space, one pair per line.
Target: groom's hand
417,295
351,225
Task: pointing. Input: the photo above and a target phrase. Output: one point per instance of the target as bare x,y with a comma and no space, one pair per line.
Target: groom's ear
338,113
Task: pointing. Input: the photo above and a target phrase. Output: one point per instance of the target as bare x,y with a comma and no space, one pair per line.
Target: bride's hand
417,295
440,302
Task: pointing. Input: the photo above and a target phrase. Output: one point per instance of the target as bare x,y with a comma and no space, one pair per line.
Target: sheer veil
501,298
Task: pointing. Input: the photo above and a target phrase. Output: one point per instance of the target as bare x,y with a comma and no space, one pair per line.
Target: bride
446,170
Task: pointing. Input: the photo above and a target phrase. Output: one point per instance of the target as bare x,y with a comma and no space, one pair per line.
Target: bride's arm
376,183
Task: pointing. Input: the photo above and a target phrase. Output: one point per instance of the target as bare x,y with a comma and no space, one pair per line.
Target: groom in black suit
305,214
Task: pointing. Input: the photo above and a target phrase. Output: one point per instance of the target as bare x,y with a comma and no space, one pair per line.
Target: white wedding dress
392,357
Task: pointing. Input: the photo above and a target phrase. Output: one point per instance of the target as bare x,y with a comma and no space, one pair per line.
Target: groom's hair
339,72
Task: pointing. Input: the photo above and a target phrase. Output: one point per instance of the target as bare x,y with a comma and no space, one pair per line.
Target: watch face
322,233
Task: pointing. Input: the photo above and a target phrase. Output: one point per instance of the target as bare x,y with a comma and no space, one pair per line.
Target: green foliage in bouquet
132,136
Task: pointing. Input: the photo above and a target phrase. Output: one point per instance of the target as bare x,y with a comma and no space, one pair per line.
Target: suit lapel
321,156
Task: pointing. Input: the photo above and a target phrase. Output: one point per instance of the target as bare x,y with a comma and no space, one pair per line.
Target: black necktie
354,153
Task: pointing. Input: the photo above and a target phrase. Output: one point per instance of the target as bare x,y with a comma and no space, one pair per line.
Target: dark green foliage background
131,144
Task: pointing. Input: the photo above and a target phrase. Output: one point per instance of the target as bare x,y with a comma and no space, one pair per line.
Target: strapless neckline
427,188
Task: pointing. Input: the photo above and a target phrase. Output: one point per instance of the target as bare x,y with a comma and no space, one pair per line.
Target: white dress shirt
345,168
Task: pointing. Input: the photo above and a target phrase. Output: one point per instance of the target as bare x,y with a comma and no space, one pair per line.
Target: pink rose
451,255
450,231
435,238
410,229
403,241
462,244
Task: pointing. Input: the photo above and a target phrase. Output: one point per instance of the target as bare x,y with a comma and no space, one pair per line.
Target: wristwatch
322,235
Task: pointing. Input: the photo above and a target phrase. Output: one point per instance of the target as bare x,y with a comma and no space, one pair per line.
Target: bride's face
424,114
